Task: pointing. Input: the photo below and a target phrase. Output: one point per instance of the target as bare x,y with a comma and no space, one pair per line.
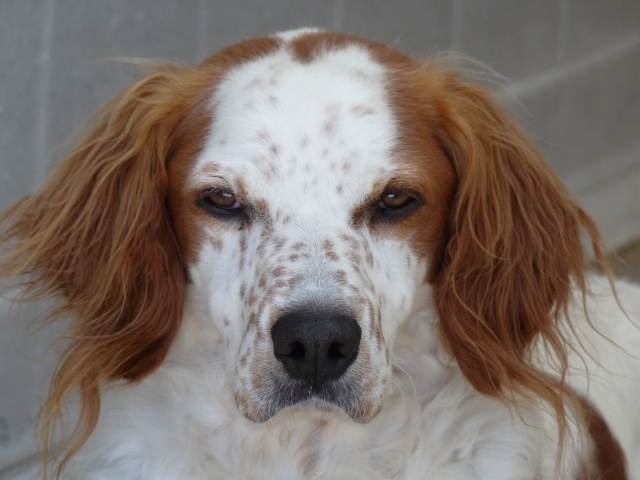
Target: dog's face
311,228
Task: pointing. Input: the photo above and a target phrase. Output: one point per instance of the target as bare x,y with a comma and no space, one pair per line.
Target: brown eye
219,201
395,200
222,199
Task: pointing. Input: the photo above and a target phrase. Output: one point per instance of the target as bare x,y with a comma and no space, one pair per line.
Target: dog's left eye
395,201
395,205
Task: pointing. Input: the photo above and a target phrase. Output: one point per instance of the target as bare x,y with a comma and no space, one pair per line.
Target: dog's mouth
293,395
330,396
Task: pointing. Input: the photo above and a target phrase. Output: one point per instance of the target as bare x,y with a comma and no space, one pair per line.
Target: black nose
317,345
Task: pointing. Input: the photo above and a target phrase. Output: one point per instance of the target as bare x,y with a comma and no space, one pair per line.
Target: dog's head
308,219
307,193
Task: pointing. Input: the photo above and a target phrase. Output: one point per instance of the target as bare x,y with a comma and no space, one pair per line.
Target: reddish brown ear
98,235
513,252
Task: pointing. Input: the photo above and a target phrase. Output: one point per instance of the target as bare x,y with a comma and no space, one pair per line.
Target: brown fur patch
607,460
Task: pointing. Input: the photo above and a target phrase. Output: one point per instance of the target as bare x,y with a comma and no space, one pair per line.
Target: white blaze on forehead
292,34
289,128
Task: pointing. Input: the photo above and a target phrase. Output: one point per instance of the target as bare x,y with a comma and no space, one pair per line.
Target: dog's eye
222,199
396,204
219,201
395,200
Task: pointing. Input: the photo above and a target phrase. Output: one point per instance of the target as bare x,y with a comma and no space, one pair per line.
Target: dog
315,257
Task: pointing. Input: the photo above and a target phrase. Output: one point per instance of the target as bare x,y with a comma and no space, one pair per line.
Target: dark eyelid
217,189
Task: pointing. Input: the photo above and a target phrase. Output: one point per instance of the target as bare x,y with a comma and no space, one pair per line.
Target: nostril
296,351
339,351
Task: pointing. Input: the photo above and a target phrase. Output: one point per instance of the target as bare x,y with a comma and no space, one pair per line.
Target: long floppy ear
98,235
513,253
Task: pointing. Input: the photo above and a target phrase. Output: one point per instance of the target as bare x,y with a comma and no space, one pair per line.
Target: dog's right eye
219,202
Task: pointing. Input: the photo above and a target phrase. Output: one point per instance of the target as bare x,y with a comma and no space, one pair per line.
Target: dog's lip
317,403
309,397
282,396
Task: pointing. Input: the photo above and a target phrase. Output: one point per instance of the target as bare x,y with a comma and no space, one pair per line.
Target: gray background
573,71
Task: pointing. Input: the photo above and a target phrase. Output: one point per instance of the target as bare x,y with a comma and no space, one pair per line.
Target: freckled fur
463,305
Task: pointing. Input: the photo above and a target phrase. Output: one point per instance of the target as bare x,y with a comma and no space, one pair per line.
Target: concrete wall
574,79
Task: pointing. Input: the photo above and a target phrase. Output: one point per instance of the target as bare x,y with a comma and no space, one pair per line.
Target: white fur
187,420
